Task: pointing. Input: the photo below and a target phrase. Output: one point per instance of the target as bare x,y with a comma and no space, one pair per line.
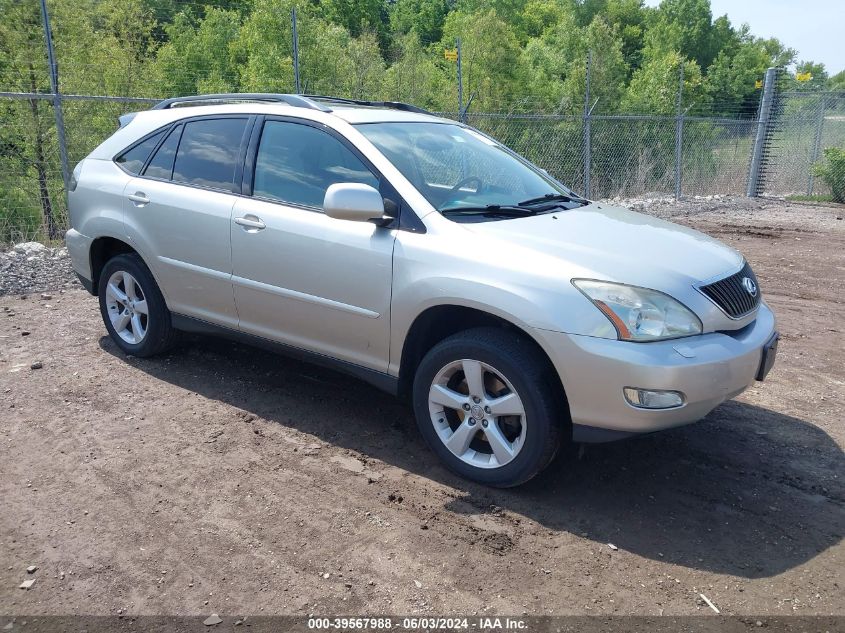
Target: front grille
731,295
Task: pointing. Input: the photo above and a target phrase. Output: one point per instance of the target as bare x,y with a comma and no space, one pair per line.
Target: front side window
133,159
161,164
296,163
208,153
457,168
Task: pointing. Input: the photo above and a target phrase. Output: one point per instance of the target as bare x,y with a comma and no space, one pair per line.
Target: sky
815,28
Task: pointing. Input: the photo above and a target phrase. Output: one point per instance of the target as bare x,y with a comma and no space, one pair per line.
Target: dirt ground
224,479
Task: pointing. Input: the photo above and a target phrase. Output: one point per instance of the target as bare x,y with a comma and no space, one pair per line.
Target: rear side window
208,153
161,164
296,163
133,159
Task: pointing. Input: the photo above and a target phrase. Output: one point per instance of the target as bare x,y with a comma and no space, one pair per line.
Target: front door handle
250,222
139,198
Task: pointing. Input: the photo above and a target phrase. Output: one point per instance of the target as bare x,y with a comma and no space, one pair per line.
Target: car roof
327,110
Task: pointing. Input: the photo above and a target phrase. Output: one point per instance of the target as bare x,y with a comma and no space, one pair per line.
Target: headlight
640,314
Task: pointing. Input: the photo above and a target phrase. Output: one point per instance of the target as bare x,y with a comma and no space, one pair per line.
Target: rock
26,584
30,248
31,569
212,620
418,584
31,267
612,546
46,296
326,575
36,365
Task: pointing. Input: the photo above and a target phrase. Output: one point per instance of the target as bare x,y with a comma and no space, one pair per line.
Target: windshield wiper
491,209
551,197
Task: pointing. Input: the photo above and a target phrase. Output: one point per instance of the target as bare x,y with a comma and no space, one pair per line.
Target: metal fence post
817,143
763,121
57,102
587,139
295,50
460,80
679,132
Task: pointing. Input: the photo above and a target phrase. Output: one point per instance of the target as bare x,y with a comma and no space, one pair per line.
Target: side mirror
353,201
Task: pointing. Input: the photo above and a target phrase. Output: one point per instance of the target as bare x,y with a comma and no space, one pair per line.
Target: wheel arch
438,322
102,250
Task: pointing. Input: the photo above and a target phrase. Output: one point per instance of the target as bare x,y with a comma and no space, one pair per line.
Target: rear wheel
484,401
133,307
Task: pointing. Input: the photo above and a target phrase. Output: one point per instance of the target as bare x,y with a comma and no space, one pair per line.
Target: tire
152,333
509,363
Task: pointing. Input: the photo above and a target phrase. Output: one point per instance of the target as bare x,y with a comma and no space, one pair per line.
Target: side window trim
248,173
235,189
243,155
253,156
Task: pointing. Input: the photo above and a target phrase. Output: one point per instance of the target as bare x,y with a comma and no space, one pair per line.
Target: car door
178,210
301,277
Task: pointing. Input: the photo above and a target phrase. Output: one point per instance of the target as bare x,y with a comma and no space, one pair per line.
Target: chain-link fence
805,145
793,146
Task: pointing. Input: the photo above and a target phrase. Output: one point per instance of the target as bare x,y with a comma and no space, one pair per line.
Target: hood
616,244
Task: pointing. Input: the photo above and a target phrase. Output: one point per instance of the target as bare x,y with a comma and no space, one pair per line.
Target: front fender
529,300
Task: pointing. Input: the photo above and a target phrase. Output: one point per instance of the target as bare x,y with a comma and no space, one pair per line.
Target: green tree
490,56
418,76
359,17
199,56
684,26
30,192
423,17
731,81
654,86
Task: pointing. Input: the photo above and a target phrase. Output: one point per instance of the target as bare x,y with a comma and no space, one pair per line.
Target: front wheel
485,403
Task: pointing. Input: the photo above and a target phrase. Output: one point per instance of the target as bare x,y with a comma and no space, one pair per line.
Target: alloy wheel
127,307
477,413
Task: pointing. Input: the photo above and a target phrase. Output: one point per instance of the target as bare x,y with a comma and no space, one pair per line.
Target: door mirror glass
353,201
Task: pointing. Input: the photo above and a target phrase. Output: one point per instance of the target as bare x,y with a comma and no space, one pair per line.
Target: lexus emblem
749,286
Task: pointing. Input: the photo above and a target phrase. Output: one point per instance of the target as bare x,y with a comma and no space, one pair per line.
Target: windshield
456,168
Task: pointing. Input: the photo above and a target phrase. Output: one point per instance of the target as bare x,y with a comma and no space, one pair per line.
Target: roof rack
292,100
393,105
311,102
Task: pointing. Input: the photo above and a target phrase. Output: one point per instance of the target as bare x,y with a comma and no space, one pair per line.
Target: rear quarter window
161,164
133,159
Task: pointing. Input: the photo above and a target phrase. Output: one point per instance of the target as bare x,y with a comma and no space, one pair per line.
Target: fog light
653,398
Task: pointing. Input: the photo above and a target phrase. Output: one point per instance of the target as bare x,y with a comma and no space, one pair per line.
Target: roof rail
394,105
297,101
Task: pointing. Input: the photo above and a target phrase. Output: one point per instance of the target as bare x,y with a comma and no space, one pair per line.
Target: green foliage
518,56
831,169
424,17
490,56
654,86
198,56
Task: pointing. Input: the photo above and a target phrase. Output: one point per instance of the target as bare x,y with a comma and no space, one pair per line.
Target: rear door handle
139,198
250,221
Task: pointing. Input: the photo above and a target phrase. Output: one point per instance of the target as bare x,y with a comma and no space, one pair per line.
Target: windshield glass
455,167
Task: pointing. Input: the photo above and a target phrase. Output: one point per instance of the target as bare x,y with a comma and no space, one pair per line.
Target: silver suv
421,256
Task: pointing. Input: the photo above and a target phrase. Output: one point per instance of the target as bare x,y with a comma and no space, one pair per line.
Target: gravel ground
221,479
31,267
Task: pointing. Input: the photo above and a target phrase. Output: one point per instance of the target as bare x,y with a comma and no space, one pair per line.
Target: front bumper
708,369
